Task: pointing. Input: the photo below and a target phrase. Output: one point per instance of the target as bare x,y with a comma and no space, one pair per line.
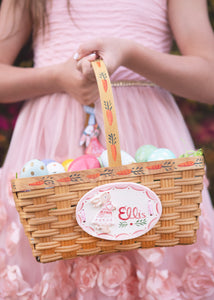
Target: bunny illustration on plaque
104,218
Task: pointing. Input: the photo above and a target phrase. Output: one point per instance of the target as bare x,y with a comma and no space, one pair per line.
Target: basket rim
107,173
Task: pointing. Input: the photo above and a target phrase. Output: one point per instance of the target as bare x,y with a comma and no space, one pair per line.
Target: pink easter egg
84,162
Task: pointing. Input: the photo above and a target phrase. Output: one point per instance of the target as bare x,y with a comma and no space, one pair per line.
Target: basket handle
109,113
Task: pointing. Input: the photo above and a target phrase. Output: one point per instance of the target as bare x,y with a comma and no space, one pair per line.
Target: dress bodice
145,22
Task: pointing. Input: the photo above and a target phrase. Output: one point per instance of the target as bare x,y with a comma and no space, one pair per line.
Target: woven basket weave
47,205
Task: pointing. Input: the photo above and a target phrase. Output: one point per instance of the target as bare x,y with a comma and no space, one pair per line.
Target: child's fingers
91,57
84,60
84,66
86,49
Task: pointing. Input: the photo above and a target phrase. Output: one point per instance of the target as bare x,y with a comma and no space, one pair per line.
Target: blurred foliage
199,117
9,112
200,121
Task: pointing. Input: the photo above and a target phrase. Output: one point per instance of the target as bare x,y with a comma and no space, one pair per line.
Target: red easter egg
84,162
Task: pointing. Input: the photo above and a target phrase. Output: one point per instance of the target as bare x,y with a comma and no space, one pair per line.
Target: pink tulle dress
50,127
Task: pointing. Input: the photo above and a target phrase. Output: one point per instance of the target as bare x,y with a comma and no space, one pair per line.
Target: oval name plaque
118,211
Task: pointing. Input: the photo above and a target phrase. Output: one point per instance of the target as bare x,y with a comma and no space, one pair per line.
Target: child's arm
189,75
18,83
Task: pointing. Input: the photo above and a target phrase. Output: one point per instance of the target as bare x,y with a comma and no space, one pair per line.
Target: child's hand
74,82
111,50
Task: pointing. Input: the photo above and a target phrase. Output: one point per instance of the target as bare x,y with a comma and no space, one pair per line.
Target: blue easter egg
142,154
161,154
33,168
55,168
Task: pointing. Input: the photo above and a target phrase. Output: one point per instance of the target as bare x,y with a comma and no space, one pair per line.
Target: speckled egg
125,158
161,154
66,163
55,168
142,154
33,168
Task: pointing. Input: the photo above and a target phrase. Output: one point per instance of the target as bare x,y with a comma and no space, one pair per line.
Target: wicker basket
47,205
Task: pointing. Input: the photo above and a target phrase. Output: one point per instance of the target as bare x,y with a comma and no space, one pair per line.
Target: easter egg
142,154
47,161
161,154
33,168
55,168
84,162
66,163
125,158
100,161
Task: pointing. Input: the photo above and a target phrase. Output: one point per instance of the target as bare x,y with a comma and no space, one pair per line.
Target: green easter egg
142,154
100,161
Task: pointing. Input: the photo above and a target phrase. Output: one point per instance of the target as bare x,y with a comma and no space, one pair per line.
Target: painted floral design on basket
136,169
199,162
107,172
169,166
76,177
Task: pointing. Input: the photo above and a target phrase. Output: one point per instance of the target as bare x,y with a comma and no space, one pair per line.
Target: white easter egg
55,168
161,154
47,161
125,158
33,168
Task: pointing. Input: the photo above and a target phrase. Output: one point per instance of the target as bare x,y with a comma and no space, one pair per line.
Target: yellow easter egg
66,163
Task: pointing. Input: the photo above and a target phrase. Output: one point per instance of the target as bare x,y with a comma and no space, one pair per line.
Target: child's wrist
129,50
126,52
56,77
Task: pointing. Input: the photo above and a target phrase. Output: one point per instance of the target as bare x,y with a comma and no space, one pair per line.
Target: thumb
84,66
